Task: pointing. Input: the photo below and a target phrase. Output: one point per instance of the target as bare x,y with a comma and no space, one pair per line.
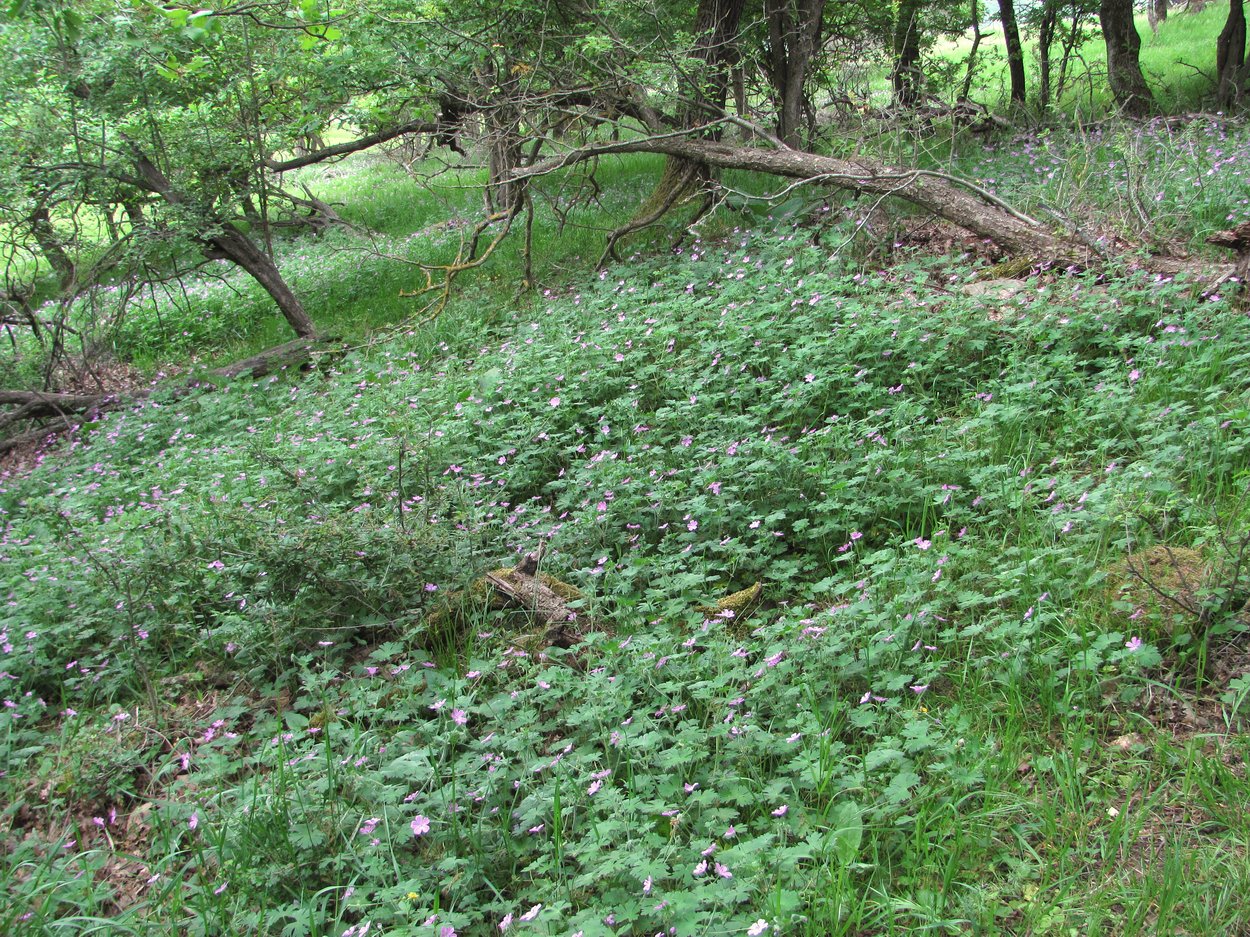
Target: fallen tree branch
951,198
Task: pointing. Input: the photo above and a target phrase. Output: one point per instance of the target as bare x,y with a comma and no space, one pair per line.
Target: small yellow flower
412,896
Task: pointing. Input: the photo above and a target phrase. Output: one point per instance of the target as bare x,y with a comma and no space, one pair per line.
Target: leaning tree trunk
958,201
1128,86
1230,56
1015,51
232,244
50,245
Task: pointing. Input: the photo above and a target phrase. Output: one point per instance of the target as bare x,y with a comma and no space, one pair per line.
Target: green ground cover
249,687
232,706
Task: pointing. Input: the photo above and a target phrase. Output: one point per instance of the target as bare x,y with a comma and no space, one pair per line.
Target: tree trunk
738,86
234,245
50,245
231,243
1230,56
793,38
1156,13
907,77
950,198
504,146
502,121
716,32
972,53
1015,51
1045,41
1128,86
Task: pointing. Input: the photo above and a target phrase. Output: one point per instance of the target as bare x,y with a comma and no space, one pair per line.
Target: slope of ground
249,687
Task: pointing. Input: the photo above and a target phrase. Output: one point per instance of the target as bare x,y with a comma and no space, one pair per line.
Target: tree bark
232,244
1045,41
906,77
950,198
1128,86
1230,56
1156,13
1015,51
50,245
716,32
229,242
794,28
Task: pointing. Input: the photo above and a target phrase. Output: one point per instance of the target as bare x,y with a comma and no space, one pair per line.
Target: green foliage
220,605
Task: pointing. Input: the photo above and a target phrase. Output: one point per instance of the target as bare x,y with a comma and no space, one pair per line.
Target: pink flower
194,821
446,931
781,811
920,688
646,886
693,525
506,922
554,401
531,913
757,928
700,870
459,717
723,871
1133,643
594,788
420,825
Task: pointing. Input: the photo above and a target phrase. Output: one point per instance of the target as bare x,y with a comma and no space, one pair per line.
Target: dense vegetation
909,576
